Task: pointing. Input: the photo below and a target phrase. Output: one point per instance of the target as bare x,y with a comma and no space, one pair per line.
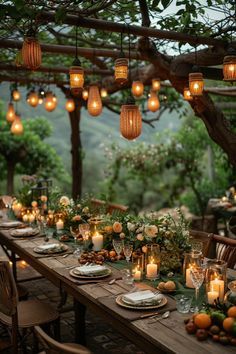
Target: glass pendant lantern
137,89
17,126
130,120
85,94
10,113
70,105
76,71
94,101
104,93
187,94
196,83
50,102
16,94
31,51
156,85
33,99
153,102
229,68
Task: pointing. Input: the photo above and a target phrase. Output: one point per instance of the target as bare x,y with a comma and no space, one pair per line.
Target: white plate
50,249
76,275
121,303
9,224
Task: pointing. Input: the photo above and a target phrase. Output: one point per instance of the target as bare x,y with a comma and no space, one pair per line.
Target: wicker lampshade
94,101
17,126
196,83
153,102
10,113
31,53
50,102
229,68
70,105
156,84
33,99
85,95
130,121
121,70
16,95
104,93
76,77
137,88
187,94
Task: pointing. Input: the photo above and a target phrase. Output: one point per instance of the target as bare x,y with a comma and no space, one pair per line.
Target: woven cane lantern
31,53
187,94
76,75
70,105
16,95
50,102
130,120
85,94
94,101
156,85
137,89
153,102
33,99
196,83
229,68
10,113
17,126
104,93
121,70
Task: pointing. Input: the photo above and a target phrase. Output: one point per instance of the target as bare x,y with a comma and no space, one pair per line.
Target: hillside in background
95,133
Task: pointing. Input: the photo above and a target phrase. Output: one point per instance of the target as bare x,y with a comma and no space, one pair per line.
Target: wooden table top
164,336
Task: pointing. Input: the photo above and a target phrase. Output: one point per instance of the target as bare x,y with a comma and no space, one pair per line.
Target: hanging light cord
129,52
76,42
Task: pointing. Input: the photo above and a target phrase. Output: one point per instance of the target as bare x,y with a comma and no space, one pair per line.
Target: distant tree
28,153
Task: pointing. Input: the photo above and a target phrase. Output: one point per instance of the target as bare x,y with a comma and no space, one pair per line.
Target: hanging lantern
94,101
156,85
229,68
196,83
70,105
17,126
85,95
121,70
10,113
104,93
50,102
31,53
153,102
130,120
76,73
16,95
137,88
187,94
33,99
54,98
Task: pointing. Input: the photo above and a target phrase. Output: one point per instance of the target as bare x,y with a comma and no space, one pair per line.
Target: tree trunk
10,177
76,151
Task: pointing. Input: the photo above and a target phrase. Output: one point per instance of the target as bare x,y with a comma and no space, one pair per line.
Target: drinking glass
84,230
197,277
127,276
183,303
74,232
118,246
128,248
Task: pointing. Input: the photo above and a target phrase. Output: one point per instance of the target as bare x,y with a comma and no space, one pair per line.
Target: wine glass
75,233
128,248
84,230
197,277
118,246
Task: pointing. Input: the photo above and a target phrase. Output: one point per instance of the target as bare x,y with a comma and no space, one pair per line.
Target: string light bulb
137,89
50,102
33,99
10,113
104,92
94,104
85,94
156,85
16,95
153,102
17,126
187,94
70,105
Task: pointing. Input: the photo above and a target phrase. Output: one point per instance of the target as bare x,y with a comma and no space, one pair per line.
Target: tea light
60,224
97,240
151,270
218,285
137,274
212,296
189,283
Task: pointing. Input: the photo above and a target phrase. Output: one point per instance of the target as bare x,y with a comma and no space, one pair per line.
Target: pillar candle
97,240
219,286
151,270
25,218
60,224
137,274
212,296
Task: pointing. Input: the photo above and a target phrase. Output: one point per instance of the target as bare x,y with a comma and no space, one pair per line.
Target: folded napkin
49,246
10,224
146,296
26,230
93,269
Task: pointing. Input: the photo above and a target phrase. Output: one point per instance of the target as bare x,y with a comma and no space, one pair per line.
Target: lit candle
218,285
17,209
97,240
60,224
224,199
189,282
151,270
25,218
212,296
31,218
137,274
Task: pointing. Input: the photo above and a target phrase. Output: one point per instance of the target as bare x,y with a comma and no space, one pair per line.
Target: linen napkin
48,247
10,224
93,269
140,297
25,231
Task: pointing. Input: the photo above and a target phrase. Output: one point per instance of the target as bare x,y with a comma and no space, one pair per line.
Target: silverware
70,267
162,317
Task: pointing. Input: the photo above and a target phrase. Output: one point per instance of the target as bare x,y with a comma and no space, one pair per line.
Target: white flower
140,237
140,229
151,230
64,200
130,226
85,210
78,206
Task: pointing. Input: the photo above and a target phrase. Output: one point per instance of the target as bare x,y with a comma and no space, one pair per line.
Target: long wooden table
164,336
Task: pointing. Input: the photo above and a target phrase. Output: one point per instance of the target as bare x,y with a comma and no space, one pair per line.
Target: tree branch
144,12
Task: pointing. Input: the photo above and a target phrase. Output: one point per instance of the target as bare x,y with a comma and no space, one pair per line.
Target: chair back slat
8,290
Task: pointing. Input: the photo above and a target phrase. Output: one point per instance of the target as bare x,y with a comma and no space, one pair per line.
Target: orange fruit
232,312
228,324
202,320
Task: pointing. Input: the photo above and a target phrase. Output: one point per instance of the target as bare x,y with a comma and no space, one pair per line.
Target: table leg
80,330
13,259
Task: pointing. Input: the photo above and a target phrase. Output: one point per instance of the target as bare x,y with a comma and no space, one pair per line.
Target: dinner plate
79,276
10,224
142,303
120,302
27,232
61,248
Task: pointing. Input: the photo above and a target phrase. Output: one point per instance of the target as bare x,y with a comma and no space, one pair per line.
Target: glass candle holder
153,260
191,260
137,266
215,280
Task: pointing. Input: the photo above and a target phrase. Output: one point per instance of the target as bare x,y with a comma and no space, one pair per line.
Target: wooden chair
21,315
202,236
223,248
51,346
109,208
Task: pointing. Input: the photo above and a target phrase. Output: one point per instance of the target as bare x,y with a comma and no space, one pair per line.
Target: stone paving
101,338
